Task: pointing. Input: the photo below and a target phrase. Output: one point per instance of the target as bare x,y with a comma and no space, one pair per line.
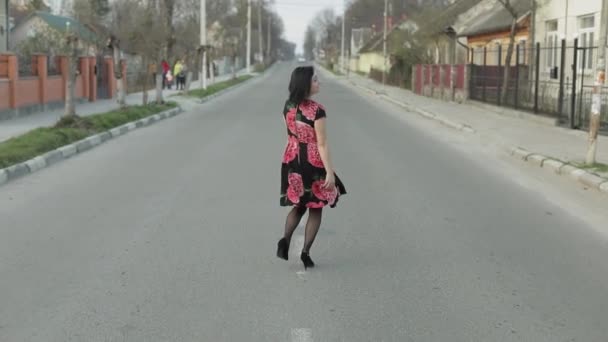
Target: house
4,28
53,27
439,31
358,38
371,54
568,20
491,30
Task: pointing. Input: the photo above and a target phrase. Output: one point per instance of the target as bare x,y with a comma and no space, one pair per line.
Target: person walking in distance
308,180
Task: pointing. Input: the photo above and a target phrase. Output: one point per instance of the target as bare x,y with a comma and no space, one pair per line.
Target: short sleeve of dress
320,113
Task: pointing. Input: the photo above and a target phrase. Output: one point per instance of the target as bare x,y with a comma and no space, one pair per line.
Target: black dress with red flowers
302,171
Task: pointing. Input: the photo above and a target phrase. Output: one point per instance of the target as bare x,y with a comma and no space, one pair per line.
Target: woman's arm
324,150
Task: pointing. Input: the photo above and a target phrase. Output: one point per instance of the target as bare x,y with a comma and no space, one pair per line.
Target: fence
440,80
556,80
26,85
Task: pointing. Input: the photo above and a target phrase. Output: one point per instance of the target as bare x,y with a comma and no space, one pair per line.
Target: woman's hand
330,180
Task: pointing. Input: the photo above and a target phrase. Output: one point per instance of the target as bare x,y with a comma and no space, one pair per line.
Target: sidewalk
552,141
17,126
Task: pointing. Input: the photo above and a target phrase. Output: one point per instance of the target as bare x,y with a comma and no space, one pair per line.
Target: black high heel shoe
283,249
306,260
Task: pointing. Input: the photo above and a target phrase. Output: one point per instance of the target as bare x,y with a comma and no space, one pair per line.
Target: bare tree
600,79
72,43
508,5
114,44
139,35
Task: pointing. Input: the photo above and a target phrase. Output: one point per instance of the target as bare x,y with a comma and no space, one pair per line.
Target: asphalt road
169,234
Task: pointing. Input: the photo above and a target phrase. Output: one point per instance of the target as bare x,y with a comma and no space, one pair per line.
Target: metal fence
556,80
52,66
27,66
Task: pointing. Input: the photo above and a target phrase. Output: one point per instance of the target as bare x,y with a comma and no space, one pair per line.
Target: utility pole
248,57
204,43
384,41
260,33
596,103
342,49
269,40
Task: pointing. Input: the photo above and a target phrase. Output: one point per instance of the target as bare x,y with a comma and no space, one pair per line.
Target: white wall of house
4,28
27,29
568,19
370,60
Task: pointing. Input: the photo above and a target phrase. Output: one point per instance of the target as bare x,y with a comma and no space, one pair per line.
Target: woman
308,181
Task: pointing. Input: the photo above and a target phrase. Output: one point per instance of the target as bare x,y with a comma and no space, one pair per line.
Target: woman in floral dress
308,180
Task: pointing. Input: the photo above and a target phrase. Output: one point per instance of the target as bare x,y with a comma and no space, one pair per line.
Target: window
586,38
523,53
552,43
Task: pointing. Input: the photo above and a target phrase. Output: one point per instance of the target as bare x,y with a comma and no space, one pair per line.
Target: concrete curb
554,166
584,177
445,121
52,157
442,120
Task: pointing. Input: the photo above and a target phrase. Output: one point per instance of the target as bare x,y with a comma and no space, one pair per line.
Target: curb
554,166
222,92
444,121
52,157
55,156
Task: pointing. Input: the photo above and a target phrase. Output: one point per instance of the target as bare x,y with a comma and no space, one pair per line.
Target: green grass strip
41,140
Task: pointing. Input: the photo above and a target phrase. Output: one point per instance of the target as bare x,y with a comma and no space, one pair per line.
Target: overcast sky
297,14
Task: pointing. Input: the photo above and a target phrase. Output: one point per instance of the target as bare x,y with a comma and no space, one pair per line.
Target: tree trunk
188,81
234,66
260,33
596,103
505,83
532,43
120,86
159,79
70,107
145,81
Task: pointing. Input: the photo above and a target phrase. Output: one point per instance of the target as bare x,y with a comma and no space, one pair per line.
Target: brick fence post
92,79
62,62
42,72
109,61
123,64
84,75
13,77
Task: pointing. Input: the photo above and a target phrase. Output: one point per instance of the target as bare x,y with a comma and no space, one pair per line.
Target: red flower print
306,133
296,187
291,151
314,157
290,120
329,195
315,205
309,109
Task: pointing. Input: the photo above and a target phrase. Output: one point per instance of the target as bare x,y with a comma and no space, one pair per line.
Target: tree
101,8
140,35
38,5
114,45
309,43
515,15
594,120
72,44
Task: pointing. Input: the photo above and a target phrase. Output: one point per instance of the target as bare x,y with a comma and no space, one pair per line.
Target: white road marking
301,335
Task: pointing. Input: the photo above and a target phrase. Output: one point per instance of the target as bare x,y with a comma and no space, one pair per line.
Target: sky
297,14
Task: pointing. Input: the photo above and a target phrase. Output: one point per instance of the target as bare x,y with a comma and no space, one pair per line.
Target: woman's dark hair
299,86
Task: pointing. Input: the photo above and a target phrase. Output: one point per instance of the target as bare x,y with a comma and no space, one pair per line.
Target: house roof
437,23
374,42
425,25
496,19
59,23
